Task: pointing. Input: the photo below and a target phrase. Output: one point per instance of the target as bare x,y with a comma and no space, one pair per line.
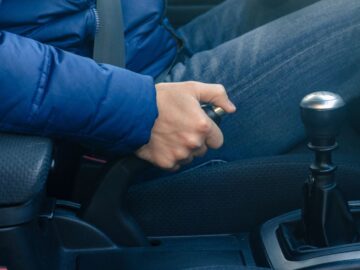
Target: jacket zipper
97,19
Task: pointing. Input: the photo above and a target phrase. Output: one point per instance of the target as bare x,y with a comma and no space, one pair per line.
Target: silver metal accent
322,100
219,111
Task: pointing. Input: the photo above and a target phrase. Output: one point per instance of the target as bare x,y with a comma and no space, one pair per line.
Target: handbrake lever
213,112
107,208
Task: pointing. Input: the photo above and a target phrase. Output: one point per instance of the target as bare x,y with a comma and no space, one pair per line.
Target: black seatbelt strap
109,44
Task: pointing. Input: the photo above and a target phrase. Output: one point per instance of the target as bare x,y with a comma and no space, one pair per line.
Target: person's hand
182,130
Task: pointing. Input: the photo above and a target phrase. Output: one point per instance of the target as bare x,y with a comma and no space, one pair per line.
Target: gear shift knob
322,114
326,216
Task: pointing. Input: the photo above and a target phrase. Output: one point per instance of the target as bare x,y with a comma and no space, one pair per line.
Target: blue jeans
268,58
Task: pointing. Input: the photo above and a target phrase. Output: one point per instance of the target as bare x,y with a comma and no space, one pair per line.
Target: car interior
64,208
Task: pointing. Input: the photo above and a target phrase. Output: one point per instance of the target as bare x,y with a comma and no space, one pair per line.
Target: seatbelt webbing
109,44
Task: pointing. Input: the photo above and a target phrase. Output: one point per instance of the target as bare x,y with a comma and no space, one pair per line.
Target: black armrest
24,166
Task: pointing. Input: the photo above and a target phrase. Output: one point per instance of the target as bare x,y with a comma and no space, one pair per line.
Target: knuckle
193,142
167,164
193,84
181,154
204,126
221,90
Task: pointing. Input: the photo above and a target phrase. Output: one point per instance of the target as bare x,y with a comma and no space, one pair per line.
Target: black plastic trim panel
326,256
16,215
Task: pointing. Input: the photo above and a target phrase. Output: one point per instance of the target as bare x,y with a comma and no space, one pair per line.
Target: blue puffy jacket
49,86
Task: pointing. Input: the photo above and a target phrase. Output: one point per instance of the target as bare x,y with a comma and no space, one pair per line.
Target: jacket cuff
134,105
145,114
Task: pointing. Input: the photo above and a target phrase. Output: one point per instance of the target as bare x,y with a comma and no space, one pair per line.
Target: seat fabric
231,197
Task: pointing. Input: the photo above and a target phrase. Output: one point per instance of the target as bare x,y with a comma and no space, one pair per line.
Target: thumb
216,95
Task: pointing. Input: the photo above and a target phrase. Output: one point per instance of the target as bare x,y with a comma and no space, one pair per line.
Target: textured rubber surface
230,197
24,166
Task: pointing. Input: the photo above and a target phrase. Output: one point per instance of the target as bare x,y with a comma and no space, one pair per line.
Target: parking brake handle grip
107,209
213,112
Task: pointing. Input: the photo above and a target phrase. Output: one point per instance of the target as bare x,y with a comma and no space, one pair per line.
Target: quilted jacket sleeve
50,92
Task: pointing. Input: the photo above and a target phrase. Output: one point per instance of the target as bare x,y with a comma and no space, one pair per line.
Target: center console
324,234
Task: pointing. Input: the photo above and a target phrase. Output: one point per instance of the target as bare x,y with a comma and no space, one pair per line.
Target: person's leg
234,18
268,70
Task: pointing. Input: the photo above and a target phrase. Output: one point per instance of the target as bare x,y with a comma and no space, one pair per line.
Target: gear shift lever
326,215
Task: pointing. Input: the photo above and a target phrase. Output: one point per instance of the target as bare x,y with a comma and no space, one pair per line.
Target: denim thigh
268,70
234,18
